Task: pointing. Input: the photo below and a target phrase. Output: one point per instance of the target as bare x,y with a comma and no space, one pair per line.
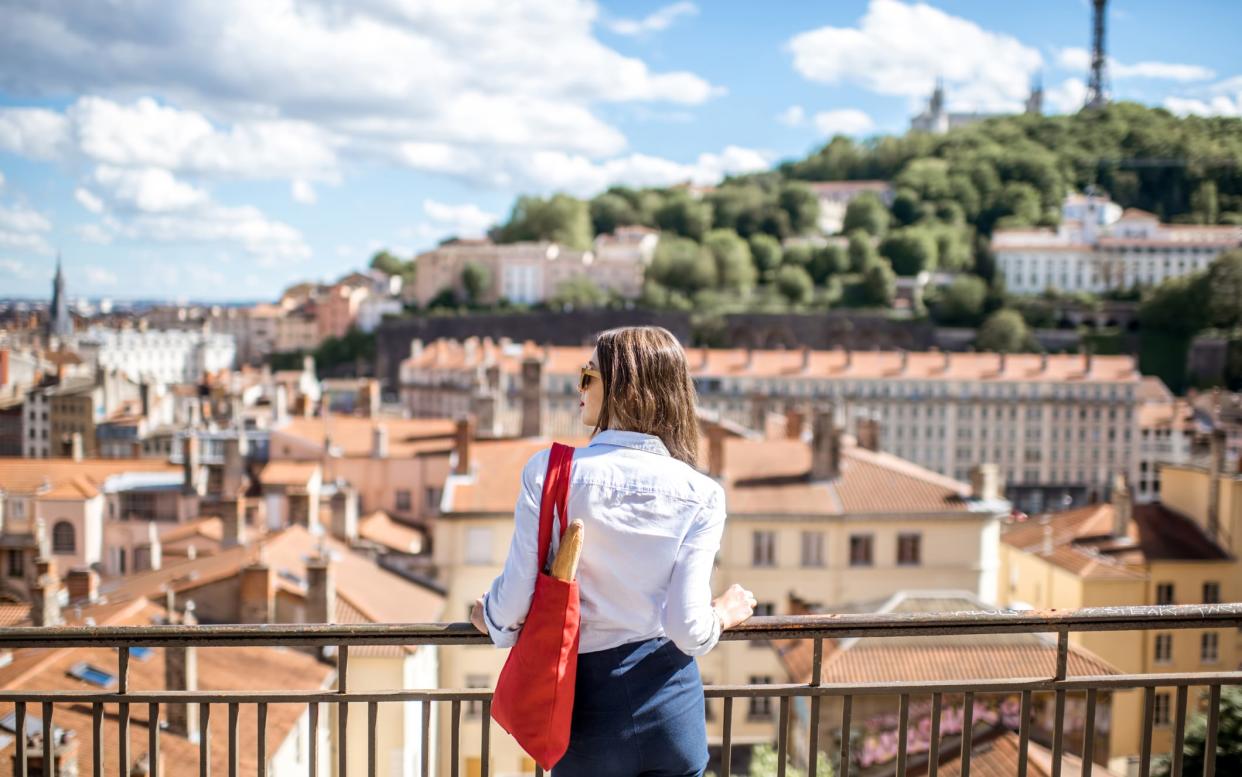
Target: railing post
19,724
342,709
817,666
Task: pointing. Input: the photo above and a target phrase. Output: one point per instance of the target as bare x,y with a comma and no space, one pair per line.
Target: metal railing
807,627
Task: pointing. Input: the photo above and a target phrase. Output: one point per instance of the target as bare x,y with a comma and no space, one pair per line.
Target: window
63,538
431,499
760,706
478,548
909,549
403,499
16,563
1162,709
812,548
475,708
1209,648
1211,593
764,549
1164,593
89,673
1164,648
860,550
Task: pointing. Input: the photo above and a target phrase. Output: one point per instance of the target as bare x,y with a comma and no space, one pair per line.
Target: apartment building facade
1057,426
1099,248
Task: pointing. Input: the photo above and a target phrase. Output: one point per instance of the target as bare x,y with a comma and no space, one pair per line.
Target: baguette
565,565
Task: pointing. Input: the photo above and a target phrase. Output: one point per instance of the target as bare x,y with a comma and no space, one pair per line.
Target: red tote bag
534,696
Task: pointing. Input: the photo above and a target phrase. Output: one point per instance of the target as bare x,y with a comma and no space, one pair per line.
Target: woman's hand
476,615
734,606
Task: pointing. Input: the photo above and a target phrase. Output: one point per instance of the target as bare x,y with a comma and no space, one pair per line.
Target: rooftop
65,478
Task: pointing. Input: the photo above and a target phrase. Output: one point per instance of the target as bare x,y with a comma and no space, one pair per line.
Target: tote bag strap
555,495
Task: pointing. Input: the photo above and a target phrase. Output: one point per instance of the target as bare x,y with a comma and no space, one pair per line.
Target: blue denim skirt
638,710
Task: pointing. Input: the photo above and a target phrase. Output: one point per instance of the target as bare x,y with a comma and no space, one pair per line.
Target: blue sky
224,149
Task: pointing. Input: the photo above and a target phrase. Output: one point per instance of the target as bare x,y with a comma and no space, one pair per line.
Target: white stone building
835,196
168,356
1099,248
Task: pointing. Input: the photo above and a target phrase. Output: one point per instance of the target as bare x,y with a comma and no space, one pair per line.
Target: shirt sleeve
688,618
508,600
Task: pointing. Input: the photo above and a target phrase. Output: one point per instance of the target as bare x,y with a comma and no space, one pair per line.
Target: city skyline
183,156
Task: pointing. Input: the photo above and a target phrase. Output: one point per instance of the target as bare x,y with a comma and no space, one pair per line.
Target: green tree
866,212
911,250
578,293
1224,286
1176,306
446,299
861,251
907,207
795,284
764,760
799,255
559,218
829,260
385,262
1205,202
734,269
766,253
880,284
682,265
611,210
801,205
475,281
684,215
1003,332
1228,740
961,302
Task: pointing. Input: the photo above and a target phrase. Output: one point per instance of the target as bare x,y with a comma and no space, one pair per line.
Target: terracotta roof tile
382,528
353,435
288,473
69,479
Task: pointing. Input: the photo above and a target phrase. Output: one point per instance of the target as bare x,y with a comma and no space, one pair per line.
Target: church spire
59,323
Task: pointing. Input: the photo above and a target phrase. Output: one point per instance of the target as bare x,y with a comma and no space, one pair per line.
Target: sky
220,150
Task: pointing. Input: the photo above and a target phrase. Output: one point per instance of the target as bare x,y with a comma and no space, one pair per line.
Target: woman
652,529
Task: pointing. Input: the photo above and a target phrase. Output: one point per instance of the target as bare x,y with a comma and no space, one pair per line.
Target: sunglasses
584,378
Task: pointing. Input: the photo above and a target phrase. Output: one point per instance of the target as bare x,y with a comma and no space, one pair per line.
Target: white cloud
266,240
150,189
94,233
900,48
25,241
302,191
1,179
1068,96
845,121
656,21
88,200
462,220
98,276
1076,58
282,88
19,218
793,116
15,269
1220,105
576,174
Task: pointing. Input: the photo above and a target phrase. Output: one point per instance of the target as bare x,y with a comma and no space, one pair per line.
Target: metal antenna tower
1096,88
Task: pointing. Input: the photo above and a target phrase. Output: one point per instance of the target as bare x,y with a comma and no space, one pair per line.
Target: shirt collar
627,439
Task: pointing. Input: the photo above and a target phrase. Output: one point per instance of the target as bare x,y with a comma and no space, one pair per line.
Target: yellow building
815,517
1182,549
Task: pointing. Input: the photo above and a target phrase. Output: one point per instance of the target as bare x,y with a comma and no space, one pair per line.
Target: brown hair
647,388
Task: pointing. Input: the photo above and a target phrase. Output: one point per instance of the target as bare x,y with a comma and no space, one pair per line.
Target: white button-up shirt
652,527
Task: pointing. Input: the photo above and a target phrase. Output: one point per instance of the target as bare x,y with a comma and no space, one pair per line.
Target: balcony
115,706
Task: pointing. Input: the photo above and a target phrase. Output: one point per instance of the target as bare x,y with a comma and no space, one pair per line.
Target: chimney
280,404
234,473
492,376
1216,467
344,505
985,482
869,433
155,547
532,398
750,357
716,451
1043,362
4,366
483,407
947,360
45,595
849,359
704,352
1047,545
189,462
257,592
308,365
905,361
465,431
379,441
320,591
1000,363
83,585
181,674
758,412
75,446
825,445
372,389
1087,357
794,422
233,521
806,358
1122,506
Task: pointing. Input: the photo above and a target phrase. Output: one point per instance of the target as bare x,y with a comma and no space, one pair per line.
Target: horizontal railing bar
1003,685
764,627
